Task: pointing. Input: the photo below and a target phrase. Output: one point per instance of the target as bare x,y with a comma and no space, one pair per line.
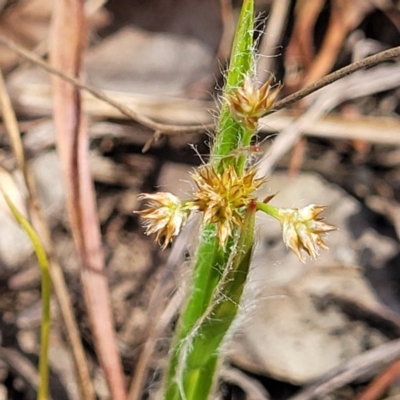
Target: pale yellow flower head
302,229
166,215
250,102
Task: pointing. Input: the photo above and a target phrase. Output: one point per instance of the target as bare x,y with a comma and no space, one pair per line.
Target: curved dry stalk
41,226
128,112
363,83
163,312
68,39
155,331
20,365
167,129
43,390
360,367
368,62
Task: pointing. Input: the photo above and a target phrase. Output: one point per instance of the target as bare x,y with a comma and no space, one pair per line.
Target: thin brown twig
361,366
383,77
128,112
167,129
335,76
162,314
251,386
381,383
40,224
20,365
154,138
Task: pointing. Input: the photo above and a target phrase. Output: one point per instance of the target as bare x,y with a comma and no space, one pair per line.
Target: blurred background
301,326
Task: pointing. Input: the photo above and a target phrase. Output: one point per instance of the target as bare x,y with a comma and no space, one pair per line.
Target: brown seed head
248,103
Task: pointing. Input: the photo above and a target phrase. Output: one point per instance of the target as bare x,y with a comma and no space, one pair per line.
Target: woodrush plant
225,197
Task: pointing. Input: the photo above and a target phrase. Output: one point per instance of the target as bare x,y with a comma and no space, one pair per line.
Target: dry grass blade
251,386
360,367
362,83
154,332
383,130
337,75
68,38
228,29
163,308
128,112
270,40
345,17
163,129
41,226
21,366
377,388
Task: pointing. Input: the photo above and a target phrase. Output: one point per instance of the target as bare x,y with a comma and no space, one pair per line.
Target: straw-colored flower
222,197
302,229
248,103
166,215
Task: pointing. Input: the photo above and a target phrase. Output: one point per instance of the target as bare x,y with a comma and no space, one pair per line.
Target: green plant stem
205,277
43,391
246,140
208,316
229,132
222,310
268,209
219,274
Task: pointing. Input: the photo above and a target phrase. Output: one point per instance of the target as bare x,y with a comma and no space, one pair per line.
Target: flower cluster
165,216
302,229
223,194
249,103
221,197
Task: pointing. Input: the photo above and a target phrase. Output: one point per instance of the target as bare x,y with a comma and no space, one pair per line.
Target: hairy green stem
229,132
219,273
